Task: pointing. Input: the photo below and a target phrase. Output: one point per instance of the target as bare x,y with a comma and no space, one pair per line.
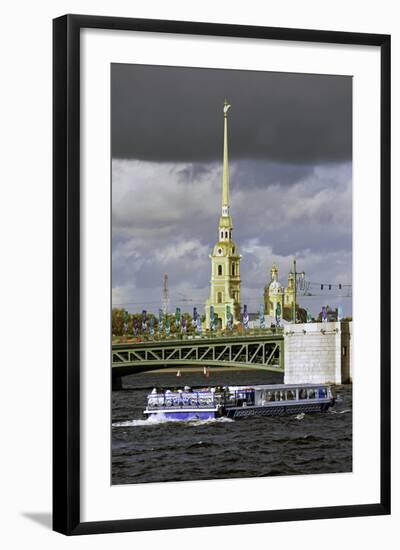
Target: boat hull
277,410
194,414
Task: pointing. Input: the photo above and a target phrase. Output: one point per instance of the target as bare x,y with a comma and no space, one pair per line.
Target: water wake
155,421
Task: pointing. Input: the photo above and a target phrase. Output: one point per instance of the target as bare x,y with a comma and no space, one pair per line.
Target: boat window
321,393
290,395
303,393
311,394
270,396
250,397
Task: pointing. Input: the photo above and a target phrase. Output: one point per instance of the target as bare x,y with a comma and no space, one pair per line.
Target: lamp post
295,274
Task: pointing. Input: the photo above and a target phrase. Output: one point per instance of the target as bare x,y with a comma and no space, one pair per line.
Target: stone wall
318,353
346,351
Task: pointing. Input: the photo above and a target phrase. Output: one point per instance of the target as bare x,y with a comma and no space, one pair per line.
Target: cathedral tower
273,294
289,291
225,258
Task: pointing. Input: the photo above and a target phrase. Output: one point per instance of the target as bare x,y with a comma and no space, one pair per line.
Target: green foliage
122,319
117,321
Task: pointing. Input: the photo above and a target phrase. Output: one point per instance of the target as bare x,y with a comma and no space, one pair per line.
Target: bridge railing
206,335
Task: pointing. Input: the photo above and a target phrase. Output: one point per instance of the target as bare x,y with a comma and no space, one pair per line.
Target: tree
117,321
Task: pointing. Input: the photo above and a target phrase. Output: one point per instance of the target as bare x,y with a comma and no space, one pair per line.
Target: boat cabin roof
279,386
271,387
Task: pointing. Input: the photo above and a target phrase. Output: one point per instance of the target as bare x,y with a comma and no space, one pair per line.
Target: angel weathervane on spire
226,107
225,169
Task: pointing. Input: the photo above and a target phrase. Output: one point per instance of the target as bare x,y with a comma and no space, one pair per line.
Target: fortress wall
314,353
346,339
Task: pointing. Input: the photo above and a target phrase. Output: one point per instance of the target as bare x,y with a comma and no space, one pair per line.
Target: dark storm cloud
172,226
175,114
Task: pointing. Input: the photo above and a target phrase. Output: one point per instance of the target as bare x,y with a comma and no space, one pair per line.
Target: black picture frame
66,273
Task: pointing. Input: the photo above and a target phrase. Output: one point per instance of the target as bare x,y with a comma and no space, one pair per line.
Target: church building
275,293
225,257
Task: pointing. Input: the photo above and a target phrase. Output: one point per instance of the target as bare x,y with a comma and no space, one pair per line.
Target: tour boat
239,401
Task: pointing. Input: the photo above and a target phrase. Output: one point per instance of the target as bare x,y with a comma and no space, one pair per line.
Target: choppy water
149,451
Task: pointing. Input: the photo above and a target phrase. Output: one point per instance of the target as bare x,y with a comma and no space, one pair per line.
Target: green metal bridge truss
256,352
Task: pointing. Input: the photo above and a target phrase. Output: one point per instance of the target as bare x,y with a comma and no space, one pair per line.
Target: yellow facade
289,291
275,293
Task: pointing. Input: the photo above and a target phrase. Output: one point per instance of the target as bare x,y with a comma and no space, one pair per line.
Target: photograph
201,195
231,259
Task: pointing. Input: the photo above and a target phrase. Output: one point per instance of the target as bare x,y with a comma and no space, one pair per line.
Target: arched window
226,234
233,270
219,297
230,233
220,270
222,234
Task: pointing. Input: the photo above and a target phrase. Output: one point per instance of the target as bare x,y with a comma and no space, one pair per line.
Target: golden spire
225,173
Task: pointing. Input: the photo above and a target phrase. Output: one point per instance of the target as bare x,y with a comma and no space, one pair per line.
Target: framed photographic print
221,274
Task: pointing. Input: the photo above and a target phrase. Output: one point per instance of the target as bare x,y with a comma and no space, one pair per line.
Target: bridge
263,351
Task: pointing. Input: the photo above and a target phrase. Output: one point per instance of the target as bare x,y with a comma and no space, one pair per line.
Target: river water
145,451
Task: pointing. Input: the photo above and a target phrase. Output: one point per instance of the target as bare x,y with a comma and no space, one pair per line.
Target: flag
278,313
160,321
194,320
229,318
178,317
198,325
245,317
144,320
126,320
261,315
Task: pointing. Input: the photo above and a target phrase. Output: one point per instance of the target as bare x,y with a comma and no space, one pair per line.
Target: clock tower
225,257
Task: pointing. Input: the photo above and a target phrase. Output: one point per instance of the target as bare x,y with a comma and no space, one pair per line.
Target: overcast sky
290,139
